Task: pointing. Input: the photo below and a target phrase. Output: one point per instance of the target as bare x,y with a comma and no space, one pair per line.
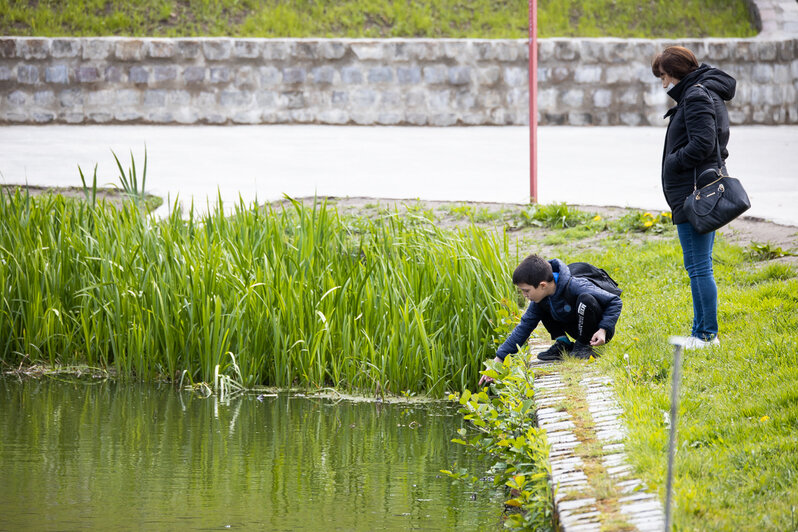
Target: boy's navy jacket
559,306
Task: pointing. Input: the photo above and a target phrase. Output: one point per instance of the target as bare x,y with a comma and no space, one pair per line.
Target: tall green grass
376,18
300,295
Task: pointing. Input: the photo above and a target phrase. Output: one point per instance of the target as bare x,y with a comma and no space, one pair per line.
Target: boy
565,304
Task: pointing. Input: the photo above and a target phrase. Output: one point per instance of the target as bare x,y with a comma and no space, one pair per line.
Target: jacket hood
561,268
712,78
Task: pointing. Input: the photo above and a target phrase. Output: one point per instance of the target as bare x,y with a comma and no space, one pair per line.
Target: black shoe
583,351
555,352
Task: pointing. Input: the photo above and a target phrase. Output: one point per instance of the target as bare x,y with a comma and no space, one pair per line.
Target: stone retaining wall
396,81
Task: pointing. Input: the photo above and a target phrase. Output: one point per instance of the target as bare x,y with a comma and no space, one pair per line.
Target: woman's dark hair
532,271
675,61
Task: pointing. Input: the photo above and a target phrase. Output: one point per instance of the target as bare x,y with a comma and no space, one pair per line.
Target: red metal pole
533,101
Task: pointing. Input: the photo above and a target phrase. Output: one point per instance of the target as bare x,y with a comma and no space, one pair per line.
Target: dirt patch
744,231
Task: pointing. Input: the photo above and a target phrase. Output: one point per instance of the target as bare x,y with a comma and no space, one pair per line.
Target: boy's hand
485,379
599,338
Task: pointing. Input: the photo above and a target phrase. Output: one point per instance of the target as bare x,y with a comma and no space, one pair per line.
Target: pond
133,456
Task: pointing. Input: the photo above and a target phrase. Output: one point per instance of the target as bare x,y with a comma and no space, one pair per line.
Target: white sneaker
697,343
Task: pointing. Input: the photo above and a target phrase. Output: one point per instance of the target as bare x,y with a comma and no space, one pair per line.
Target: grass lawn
737,460
376,18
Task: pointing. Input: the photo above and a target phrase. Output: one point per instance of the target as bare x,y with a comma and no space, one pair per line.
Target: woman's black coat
702,113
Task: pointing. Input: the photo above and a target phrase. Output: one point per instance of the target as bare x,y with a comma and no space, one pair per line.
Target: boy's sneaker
583,351
555,352
694,342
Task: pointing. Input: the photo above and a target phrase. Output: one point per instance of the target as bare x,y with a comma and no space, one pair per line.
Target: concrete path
583,165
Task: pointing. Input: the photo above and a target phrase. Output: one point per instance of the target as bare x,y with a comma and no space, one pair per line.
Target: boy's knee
586,303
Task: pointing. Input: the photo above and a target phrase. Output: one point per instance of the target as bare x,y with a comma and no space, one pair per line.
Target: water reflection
137,456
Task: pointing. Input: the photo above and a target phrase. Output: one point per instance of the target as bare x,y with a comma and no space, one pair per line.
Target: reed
299,294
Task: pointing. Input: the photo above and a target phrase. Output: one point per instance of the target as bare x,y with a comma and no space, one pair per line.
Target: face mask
669,87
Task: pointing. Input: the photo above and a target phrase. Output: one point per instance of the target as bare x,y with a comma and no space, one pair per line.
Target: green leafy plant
557,216
762,251
506,431
643,222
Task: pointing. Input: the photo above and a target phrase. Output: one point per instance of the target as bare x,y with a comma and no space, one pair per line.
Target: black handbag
712,206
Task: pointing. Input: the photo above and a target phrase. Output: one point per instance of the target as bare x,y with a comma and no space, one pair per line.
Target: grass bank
376,18
737,461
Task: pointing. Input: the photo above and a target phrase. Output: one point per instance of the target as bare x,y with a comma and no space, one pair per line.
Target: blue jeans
697,250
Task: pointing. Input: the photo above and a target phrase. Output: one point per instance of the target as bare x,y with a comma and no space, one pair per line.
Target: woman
697,123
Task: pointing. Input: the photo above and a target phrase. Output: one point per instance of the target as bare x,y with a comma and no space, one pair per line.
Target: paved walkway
583,165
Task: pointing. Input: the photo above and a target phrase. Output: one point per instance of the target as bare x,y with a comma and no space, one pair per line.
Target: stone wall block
363,98
408,75
178,98
743,51
276,50
602,98
70,98
380,74
460,75
130,49
232,98
488,75
6,74
17,98
369,51
247,48
102,98
459,51
465,100
587,74
416,99
161,48
631,119
33,48
561,74
188,48
332,49
439,100
128,98
61,48
717,51
154,98
763,73
767,50
43,98
246,78
572,98
339,98
269,76
138,75
781,74
435,74
292,75
545,51
566,50
27,74
591,51
217,49
58,74
114,74
164,73
194,74
97,49
219,74
515,76
785,50
352,75
8,48
333,116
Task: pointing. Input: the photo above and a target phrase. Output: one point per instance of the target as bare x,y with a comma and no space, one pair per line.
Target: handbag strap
717,138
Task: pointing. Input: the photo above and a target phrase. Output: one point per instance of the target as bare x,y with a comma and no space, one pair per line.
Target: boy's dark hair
675,61
533,270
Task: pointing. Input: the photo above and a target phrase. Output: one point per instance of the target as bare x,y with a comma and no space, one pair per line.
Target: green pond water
113,456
